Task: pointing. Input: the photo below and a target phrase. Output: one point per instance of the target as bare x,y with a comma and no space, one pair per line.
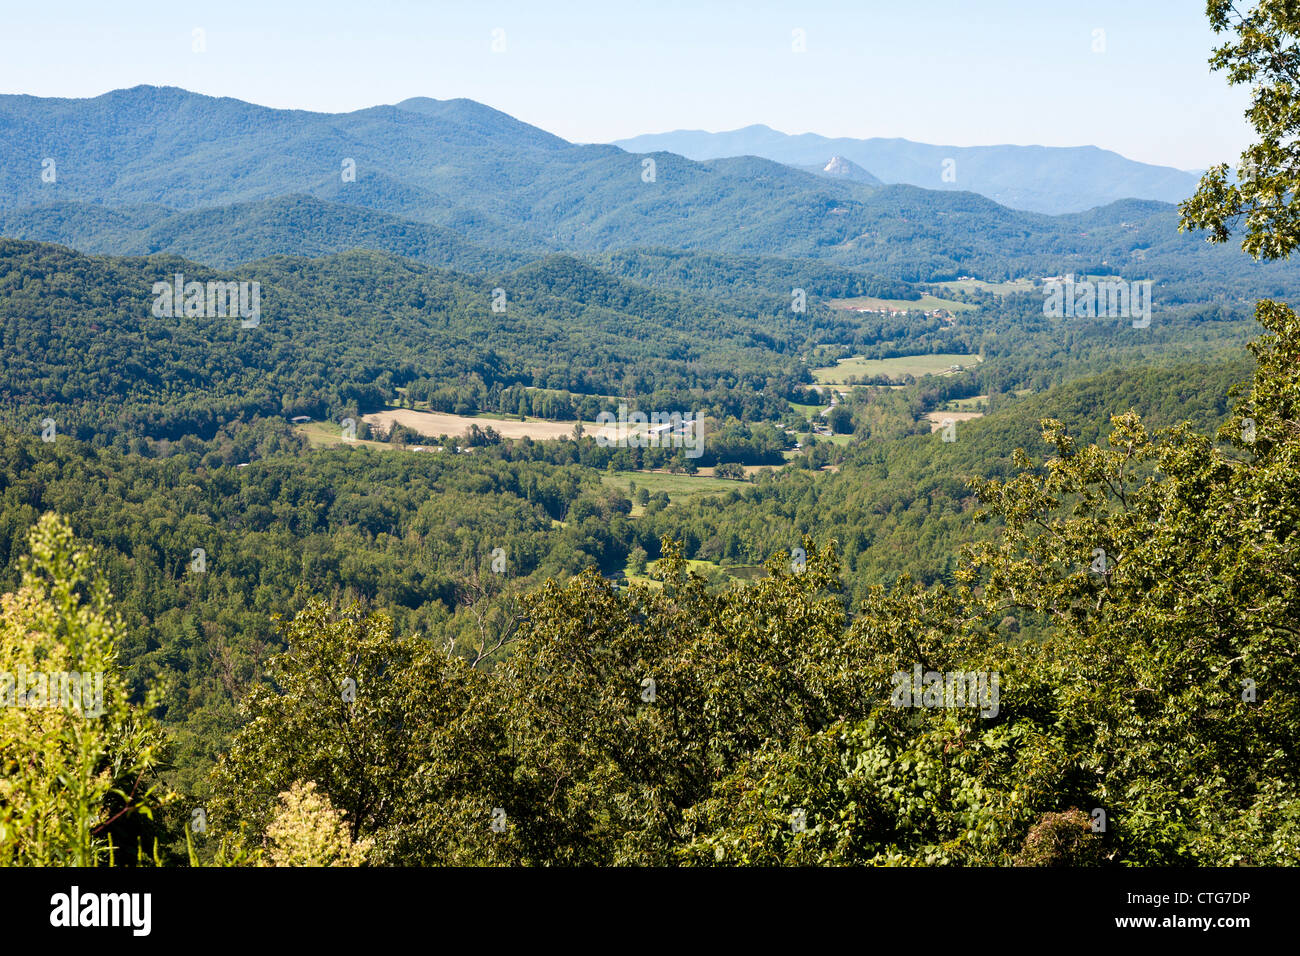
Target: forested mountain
341,334
456,164
301,225
226,236
901,232
463,176
1046,179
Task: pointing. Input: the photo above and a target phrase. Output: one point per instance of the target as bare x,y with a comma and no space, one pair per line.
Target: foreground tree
308,831
1263,53
349,708
78,763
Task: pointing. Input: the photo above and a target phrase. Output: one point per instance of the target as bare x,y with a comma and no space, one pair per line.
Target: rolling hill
453,182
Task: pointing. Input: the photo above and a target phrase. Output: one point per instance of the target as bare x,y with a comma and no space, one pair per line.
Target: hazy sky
938,71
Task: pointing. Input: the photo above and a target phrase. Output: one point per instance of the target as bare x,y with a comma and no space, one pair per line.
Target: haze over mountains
1034,178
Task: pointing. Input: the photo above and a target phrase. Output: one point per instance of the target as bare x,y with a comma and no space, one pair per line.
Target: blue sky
939,71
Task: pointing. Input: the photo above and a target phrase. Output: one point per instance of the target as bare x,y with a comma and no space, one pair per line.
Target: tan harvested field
708,470
434,424
937,418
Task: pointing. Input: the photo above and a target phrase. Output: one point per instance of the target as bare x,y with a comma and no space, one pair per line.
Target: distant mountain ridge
459,185
1047,179
454,163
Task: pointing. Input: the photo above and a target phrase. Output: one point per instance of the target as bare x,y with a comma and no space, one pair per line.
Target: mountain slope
498,183
456,164
82,343
224,236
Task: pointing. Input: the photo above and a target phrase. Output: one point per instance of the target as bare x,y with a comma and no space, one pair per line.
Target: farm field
972,404
926,303
915,365
442,423
320,434
937,419
808,411
708,569
433,424
997,288
708,471
678,487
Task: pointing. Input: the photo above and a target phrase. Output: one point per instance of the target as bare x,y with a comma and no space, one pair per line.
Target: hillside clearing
927,303
915,365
